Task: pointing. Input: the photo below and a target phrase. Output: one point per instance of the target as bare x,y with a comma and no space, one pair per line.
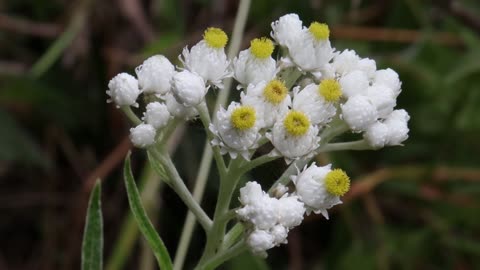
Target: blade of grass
92,246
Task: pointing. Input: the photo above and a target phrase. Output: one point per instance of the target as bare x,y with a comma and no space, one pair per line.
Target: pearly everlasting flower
123,90
269,100
255,64
279,234
376,135
251,193
354,83
290,211
312,50
389,78
383,98
318,101
178,110
397,123
188,88
345,62
207,58
293,136
142,135
368,66
359,112
155,74
156,114
320,188
236,130
259,241
287,29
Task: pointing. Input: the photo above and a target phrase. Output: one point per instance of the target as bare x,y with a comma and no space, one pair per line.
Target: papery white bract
154,75
142,135
157,114
123,90
188,88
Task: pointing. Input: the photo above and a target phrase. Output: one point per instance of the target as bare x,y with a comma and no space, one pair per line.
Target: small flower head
157,114
142,135
189,88
319,30
215,37
275,92
261,47
296,123
123,90
330,89
154,75
243,117
337,182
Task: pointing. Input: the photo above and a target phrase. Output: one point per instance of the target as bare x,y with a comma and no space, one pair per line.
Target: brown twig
27,27
391,35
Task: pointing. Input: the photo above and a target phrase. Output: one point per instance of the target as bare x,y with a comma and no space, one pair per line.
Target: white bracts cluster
392,131
155,74
270,218
188,88
249,69
209,62
157,114
143,135
236,130
314,105
123,90
178,110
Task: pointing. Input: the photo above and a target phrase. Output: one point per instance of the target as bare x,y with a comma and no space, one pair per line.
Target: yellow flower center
330,90
319,30
275,92
261,47
337,182
215,37
296,123
243,118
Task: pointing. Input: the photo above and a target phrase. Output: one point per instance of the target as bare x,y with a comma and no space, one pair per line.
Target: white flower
157,114
279,233
207,58
376,135
345,62
123,90
263,214
236,130
354,83
259,241
251,193
287,29
320,188
397,123
311,101
154,75
312,49
367,65
255,64
383,98
293,136
189,88
389,78
142,135
290,211
178,110
359,112
269,100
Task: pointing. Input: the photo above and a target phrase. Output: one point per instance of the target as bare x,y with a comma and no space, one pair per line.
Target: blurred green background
411,207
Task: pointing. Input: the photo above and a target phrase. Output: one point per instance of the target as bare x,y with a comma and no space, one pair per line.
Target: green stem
222,257
355,145
257,162
177,184
198,191
131,115
232,235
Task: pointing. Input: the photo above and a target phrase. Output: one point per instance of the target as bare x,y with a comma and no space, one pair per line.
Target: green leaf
92,246
144,223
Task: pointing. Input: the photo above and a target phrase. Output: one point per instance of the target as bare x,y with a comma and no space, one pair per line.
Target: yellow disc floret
337,182
296,123
319,30
330,90
215,37
243,117
275,92
261,47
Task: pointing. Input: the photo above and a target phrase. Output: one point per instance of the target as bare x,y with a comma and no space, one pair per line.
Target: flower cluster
291,101
317,189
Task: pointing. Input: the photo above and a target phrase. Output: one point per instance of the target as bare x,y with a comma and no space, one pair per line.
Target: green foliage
143,222
92,247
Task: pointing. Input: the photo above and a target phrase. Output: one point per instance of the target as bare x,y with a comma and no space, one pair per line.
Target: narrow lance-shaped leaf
92,246
144,224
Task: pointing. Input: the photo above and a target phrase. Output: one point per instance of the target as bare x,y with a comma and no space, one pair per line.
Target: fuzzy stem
354,145
223,256
131,115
